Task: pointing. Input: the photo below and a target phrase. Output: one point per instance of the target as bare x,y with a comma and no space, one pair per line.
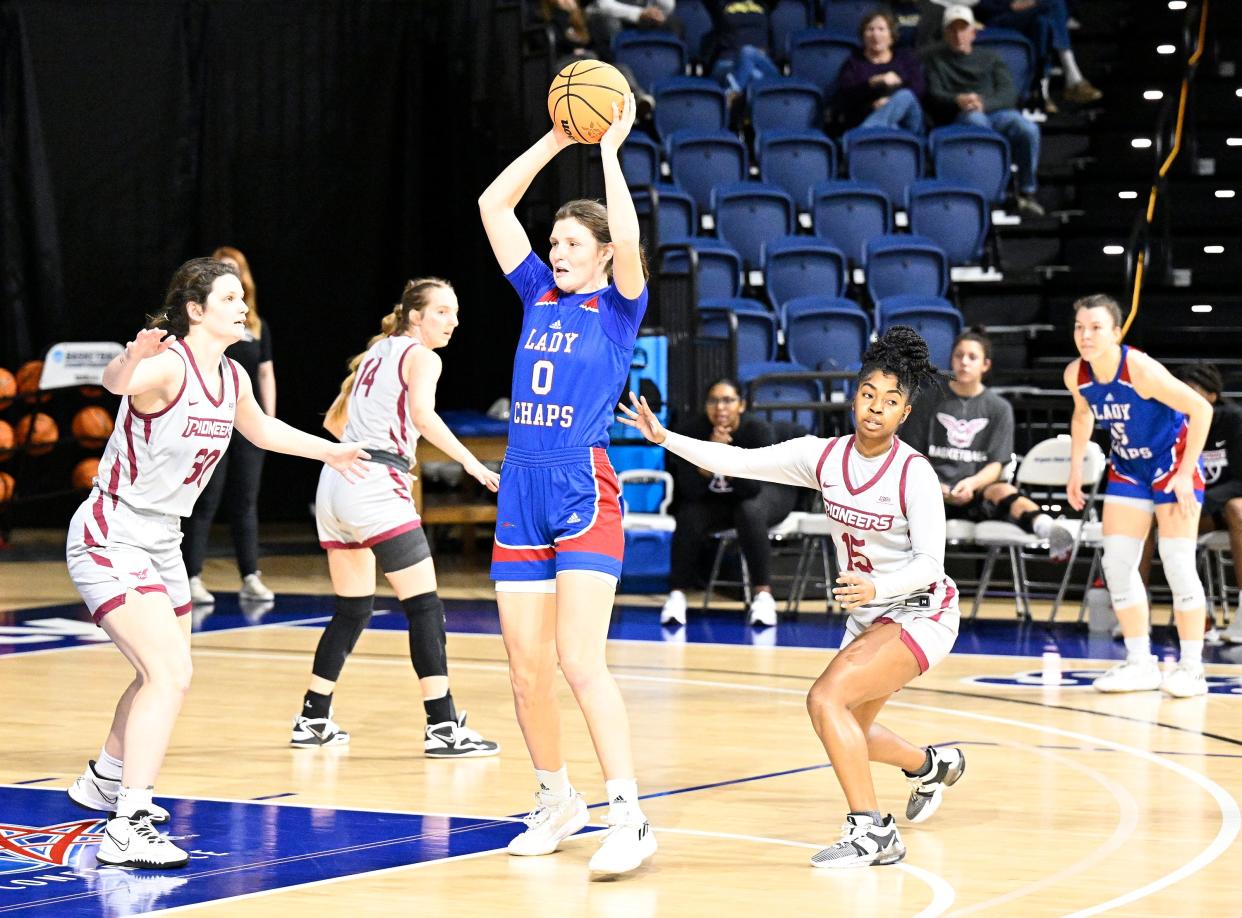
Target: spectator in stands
973,86
1046,24
608,17
880,86
1222,497
706,503
966,430
569,22
738,45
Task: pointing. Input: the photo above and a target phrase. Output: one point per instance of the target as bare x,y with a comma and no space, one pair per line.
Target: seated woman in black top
706,503
879,85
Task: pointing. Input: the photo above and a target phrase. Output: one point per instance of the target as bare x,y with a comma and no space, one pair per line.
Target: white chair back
1047,464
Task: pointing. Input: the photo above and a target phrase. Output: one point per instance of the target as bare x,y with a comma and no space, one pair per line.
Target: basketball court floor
1073,803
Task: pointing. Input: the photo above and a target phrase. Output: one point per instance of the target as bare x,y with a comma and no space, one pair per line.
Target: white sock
1192,654
1069,64
132,799
1042,525
555,783
108,766
1138,649
623,795
1043,88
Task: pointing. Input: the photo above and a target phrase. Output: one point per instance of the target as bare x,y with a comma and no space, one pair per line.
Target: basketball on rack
8,388
6,440
28,379
91,426
6,488
38,433
84,473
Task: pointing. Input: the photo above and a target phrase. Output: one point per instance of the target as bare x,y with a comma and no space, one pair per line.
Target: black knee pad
338,639
1003,505
402,551
425,614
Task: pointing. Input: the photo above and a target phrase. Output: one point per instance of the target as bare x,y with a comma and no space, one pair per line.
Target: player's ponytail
191,283
900,352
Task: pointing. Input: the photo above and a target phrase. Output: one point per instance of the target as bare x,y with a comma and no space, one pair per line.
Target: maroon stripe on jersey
402,489
99,559
949,594
114,480
501,553
401,400
376,539
551,296
919,656
901,487
183,610
106,607
236,385
98,512
819,466
845,467
176,398
146,430
129,447
202,384
1084,373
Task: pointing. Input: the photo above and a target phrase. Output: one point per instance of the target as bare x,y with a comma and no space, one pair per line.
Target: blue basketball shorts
1146,479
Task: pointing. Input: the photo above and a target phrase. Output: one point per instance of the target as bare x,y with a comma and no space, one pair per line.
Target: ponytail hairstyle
190,284
900,352
594,216
253,325
414,299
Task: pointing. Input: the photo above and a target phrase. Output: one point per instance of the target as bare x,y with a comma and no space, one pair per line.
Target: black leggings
751,518
238,473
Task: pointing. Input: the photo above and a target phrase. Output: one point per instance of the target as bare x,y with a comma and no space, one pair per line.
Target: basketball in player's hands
581,97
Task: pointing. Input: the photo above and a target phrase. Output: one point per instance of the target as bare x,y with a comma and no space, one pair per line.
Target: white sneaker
133,842
927,790
198,593
763,610
454,740
674,611
1185,681
1233,634
1130,676
92,791
254,588
311,732
628,842
863,843
549,823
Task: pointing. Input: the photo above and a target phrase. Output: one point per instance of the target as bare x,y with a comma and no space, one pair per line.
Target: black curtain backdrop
340,144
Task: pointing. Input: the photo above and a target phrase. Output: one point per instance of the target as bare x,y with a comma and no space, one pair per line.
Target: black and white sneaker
312,732
926,790
131,841
863,843
454,740
92,791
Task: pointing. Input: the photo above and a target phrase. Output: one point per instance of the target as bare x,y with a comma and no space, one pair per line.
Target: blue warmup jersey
573,358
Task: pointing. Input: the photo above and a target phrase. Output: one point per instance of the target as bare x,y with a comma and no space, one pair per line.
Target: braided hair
900,352
1205,376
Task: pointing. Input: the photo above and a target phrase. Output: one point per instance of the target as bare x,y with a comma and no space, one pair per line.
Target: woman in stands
706,503
1158,426
879,85
387,402
559,543
887,522
182,399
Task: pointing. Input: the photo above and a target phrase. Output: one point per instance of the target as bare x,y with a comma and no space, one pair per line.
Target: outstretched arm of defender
140,368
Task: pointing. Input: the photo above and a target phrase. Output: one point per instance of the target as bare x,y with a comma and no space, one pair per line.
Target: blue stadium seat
843,16
936,319
816,55
826,333
793,390
696,21
720,266
689,104
787,18
905,264
785,104
796,161
971,156
890,159
800,266
640,160
749,214
676,214
756,327
847,214
700,162
1016,50
955,217
651,55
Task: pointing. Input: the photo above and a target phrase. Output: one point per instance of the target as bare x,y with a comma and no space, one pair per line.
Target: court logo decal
46,845
1082,678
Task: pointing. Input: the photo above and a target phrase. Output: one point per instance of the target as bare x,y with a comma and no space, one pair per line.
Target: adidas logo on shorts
555,325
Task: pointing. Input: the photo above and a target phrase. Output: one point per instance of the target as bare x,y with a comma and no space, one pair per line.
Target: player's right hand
148,343
484,476
1073,491
642,419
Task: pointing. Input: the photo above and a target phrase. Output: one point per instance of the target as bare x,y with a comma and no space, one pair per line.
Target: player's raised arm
627,266
143,367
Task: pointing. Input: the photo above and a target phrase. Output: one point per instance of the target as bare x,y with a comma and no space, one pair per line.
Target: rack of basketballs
38,463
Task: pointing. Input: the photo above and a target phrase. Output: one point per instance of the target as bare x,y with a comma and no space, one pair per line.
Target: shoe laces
144,829
544,804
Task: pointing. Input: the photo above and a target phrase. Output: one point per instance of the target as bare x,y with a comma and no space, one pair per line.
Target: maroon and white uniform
127,534
886,518
378,507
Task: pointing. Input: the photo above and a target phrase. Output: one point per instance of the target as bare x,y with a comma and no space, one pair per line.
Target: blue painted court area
47,851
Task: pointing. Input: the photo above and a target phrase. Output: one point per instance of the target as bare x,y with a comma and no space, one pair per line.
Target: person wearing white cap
973,86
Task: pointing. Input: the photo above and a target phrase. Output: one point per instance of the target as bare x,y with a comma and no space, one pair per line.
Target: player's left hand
642,419
622,121
856,590
962,492
347,458
1183,485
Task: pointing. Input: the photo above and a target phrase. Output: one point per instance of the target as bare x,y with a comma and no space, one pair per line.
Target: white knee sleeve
1121,570
1178,558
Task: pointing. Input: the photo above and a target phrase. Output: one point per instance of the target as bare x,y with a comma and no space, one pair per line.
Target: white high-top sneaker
1185,681
628,842
863,843
254,588
927,790
763,610
1131,676
674,611
549,823
131,841
95,792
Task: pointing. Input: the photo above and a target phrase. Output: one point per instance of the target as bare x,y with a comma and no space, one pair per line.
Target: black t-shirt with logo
960,435
1223,450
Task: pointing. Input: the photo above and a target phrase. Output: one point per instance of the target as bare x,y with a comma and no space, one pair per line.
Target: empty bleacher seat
967,155
685,103
640,160
781,390
651,55
785,104
700,162
798,266
847,214
816,55
933,317
826,333
905,264
796,161
720,266
749,214
887,158
1016,50
955,217
756,327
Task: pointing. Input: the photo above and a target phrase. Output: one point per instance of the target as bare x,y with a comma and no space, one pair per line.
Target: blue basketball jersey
1140,428
573,358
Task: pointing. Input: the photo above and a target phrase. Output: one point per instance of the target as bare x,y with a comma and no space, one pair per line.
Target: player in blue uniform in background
558,549
1158,426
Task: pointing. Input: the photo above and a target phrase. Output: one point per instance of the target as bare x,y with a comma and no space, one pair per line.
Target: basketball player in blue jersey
1158,426
558,546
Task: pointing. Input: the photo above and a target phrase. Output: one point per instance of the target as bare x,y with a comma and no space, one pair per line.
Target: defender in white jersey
388,398
887,521
181,399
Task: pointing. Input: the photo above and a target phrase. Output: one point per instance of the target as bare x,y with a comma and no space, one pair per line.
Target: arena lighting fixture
1224,192
1153,95
1165,49
1233,141
1201,307
1238,92
1141,143
1127,195
1177,4
1114,249
1213,250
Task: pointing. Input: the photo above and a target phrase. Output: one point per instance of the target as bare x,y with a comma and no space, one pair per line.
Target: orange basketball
8,388
6,487
6,440
84,473
28,379
38,433
91,391
91,426
581,96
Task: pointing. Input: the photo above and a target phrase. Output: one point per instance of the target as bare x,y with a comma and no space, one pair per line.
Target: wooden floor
1073,802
